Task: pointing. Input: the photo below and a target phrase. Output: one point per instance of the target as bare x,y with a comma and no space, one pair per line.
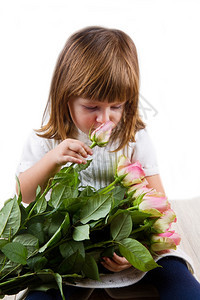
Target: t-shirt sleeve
34,149
145,153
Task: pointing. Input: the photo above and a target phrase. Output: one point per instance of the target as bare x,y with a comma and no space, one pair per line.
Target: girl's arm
155,182
69,150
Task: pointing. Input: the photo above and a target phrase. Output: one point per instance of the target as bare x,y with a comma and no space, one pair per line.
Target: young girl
96,79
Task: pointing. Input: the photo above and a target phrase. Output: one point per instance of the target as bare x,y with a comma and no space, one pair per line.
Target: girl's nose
103,116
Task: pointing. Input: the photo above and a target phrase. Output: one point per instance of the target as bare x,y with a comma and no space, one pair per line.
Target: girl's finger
76,148
110,265
88,149
119,259
74,159
114,267
80,148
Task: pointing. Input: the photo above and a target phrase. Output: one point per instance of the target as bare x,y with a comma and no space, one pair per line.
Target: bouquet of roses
64,239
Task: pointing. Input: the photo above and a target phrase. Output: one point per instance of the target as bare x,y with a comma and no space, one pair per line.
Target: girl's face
87,114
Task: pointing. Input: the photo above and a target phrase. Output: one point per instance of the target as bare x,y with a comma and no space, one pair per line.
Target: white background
167,37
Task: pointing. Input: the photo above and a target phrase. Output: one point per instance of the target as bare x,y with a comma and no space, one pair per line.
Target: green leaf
90,268
81,233
72,205
41,205
53,223
46,275
118,194
44,287
23,213
121,226
10,217
58,279
16,252
65,225
19,191
8,266
71,264
108,252
111,217
29,241
3,243
29,207
137,254
138,216
36,228
63,173
8,284
81,167
57,235
52,241
61,192
138,200
57,195
97,223
2,257
38,192
97,207
67,176
37,263
70,247
88,191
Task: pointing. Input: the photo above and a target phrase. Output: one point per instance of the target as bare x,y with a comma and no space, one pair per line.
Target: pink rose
140,188
134,171
154,203
164,222
165,241
101,135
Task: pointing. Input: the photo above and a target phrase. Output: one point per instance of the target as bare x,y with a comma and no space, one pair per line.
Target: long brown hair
99,64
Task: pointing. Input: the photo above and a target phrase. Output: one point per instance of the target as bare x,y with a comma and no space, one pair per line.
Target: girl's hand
116,263
71,150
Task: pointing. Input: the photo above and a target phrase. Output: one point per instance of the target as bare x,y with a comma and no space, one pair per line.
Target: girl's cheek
88,123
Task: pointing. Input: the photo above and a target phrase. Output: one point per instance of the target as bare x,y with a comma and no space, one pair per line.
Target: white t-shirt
102,169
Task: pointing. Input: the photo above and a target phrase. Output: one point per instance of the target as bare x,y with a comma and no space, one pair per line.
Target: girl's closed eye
90,107
96,107
117,106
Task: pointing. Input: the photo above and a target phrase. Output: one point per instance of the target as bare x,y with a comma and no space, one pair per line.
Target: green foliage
15,252
95,208
10,218
137,254
121,226
90,268
64,238
81,233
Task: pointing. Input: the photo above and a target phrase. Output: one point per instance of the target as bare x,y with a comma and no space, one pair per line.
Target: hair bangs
111,86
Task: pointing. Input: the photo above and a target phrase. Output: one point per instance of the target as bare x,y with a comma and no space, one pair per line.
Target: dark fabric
51,294
173,281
